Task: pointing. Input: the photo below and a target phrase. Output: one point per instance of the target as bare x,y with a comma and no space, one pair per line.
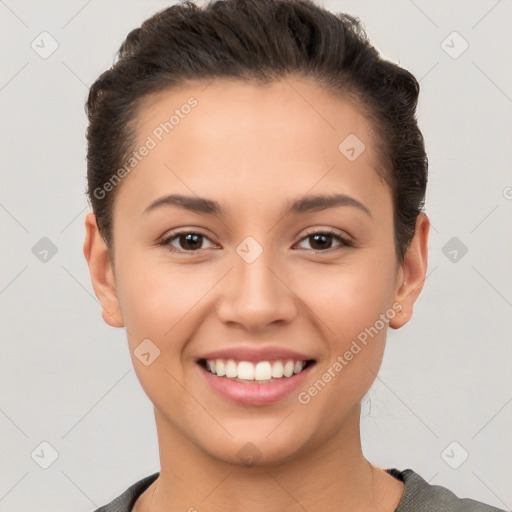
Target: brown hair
257,40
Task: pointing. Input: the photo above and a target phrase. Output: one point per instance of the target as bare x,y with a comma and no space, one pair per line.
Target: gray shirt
418,496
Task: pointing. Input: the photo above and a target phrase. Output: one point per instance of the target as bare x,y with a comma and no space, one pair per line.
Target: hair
258,41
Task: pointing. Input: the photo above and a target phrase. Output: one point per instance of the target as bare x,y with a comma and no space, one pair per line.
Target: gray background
66,378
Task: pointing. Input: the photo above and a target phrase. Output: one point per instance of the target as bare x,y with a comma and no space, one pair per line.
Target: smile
248,383
262,371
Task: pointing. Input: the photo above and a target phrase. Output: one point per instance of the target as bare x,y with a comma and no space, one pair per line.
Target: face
260,272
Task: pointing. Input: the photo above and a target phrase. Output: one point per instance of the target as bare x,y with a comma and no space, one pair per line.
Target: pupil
191,238
324,236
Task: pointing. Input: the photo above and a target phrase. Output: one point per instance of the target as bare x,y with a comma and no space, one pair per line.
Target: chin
255,451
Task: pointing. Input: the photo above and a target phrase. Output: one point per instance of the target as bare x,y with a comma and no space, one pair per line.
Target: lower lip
254,393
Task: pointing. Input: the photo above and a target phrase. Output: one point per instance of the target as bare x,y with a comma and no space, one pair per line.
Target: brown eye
187,241
321,241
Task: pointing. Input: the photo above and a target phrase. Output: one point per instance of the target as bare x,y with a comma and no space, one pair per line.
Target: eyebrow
303,205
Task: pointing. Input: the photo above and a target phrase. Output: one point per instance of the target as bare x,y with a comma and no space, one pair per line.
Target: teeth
298,367
231,369
219,368
245,370
262,371
277,370
288,368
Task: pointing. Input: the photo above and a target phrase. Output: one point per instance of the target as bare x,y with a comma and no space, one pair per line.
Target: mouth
261,372
254,383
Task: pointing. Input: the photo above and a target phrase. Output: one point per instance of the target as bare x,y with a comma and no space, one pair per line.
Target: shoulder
125,501
420,496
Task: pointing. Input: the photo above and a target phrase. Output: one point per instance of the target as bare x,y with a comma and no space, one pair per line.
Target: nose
256,294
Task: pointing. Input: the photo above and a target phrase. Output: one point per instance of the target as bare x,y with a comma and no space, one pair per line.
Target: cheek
348,298
349,306
350,301
158,300
161,304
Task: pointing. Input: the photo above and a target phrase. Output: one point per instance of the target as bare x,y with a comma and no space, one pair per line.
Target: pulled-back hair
258,41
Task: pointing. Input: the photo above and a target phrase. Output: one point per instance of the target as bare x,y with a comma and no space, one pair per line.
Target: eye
189,241
323,239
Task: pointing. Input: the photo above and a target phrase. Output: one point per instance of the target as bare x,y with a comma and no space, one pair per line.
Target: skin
253,149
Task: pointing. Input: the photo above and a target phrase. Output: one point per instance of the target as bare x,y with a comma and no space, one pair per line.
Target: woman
257,179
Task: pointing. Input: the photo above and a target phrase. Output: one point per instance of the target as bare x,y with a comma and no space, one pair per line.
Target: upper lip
256,354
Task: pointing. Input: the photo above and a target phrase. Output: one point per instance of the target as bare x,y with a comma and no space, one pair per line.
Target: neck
333,476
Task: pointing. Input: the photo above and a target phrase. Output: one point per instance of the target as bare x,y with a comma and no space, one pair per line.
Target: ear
413,272
102,276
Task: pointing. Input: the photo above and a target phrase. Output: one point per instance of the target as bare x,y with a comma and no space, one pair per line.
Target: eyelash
343,241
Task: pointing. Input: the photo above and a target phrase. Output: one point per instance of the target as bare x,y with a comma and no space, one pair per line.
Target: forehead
293,107
253,138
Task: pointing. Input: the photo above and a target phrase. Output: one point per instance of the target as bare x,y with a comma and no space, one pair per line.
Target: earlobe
414,269
100,269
